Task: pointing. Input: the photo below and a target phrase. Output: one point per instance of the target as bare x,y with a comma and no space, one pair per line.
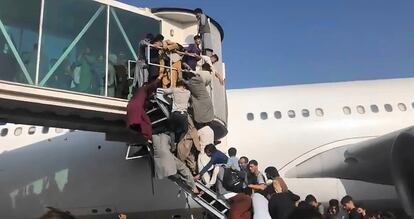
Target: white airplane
326,139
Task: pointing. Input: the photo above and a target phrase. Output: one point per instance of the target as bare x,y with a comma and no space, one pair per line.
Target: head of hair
232,152
310,198
271,172
215,56
54,213
149,36
210,148
196,37
334,202
253,162
180,83
245,159
303,205
158,38
346,199
198,11
206,67
305,213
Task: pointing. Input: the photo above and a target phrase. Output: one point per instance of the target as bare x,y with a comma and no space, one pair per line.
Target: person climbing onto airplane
216,157
178,118
207,63
138,119
192,54
167,165
141,67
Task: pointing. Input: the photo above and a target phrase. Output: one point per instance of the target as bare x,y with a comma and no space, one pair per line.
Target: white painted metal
108,8
288,141
39,41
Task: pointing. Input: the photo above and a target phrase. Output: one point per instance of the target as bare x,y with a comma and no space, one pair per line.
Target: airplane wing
388,159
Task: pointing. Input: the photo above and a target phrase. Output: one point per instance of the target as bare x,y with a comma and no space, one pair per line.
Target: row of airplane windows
319,112
31,131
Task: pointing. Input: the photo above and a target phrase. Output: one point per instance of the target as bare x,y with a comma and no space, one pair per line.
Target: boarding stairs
207,199
159,112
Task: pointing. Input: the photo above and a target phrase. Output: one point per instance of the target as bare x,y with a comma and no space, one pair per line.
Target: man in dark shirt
348,204
256,180
216,157
193,53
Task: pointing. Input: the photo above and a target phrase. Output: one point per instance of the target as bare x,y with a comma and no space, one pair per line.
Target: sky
284,42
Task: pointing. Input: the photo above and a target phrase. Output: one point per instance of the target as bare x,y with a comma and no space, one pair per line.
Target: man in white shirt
178,118
206,63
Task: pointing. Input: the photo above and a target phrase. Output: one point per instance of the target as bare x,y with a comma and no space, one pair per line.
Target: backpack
232,180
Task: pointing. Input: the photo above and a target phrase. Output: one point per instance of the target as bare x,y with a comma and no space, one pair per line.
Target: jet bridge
60,60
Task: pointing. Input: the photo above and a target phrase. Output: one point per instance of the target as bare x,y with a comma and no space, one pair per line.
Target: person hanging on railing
209,61
193,54
216,158
172,51
178,118
189,146
141,68
203,111
154,57
138,120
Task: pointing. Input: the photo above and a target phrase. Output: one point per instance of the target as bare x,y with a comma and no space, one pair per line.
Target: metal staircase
207,199
158,111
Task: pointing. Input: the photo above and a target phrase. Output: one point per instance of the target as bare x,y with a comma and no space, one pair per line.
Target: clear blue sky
274,42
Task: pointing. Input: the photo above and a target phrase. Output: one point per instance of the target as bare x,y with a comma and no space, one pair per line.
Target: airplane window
278,115
32,130
305,113
374,108
412,105
361,109
263,115
4,132
291,114
250,116
59,130
319,112
347,110
402,107
45,130
18,131
388,107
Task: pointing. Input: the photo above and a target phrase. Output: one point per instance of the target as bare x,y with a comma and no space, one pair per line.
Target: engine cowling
402,166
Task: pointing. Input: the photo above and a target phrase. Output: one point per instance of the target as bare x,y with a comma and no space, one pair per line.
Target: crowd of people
257,195
184,74
185,149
